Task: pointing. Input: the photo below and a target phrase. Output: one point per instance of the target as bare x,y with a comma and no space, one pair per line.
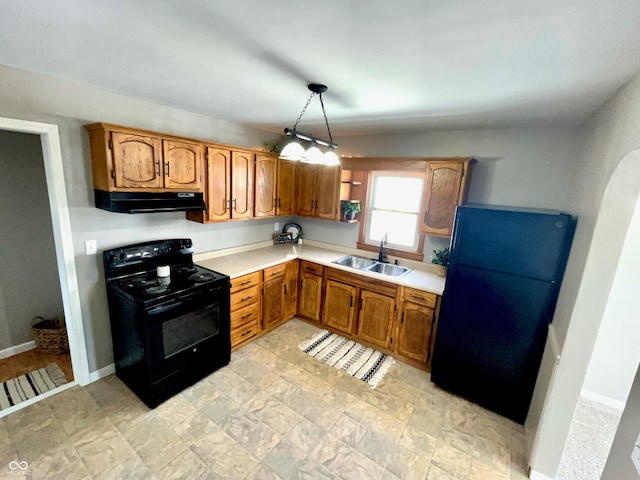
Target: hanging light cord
304,110
325,117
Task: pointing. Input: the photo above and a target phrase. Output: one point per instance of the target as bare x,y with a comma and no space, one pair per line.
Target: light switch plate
90,247
635,455
276,227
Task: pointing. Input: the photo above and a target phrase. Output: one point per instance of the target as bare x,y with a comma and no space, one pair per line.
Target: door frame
63,238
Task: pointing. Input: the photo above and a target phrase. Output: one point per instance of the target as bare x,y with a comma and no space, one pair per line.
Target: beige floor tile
194,428
347,429
408,465
436,473
262,472
131,468
255,436
187,465
103,449
451,460
285,458
175,410
154,442
275,414
305,435
480,471
62,462
235,464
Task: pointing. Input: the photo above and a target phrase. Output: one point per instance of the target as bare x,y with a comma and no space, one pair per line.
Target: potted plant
440,258
349,209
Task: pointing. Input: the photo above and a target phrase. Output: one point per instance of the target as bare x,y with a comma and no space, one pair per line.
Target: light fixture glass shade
313,155
330,158
292,151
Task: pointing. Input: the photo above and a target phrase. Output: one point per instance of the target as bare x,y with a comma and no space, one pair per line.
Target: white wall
70,105
607,139
616,354
29,284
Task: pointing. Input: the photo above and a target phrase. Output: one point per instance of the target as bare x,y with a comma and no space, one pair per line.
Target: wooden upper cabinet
137,160
318,191
306,185
182,164
265,182
340,306
446,187
328,193
218,192
286,187
126,159
376,318
242,184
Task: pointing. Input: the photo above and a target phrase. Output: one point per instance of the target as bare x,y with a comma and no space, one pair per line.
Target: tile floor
273,413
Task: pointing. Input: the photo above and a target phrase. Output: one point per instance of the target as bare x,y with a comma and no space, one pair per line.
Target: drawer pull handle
246,298
417,297
276,273
246,316
246,333
246,282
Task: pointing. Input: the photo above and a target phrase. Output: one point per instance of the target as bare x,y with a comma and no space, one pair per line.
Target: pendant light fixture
294,151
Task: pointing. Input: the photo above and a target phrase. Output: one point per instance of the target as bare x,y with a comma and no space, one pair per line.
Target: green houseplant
349,209
440,257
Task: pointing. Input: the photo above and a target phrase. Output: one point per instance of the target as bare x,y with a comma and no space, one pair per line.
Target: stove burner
202,277
142,282
155,289
187,270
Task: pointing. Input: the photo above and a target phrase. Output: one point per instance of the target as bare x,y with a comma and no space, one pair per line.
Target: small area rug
359,361
29,385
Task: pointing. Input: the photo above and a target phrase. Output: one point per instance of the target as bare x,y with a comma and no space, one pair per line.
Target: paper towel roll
163,271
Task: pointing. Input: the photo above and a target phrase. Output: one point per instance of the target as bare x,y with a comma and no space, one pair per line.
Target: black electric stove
170,331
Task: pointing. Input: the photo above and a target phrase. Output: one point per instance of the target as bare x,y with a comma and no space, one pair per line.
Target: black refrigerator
501,290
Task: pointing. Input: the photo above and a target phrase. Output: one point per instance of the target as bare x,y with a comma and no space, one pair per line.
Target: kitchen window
393,209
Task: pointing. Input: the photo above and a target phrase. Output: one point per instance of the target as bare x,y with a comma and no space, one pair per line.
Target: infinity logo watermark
16,467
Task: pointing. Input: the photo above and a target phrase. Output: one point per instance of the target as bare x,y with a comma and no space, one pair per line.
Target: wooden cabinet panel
275,272
241,184
273,303
414,331
245,315
291,289
310,297
327,193
218,184
376,318
311,267
420,297
339,306
286,187
265,194
306,185
245,297
446,187
246,281
182,164
137,160
244,333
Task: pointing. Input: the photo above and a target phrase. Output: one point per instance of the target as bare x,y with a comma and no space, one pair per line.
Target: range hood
148,202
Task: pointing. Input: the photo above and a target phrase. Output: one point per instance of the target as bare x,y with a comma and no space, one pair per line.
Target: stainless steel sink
388,269
370,265
355,262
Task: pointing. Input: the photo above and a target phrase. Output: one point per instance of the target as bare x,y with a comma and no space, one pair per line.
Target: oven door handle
166,308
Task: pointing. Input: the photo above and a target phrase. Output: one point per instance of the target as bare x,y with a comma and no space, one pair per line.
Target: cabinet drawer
274,272
420,297
245,297
244,332
245,281
311,267
245,315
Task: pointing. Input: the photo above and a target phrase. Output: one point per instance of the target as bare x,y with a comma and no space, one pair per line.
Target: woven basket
50,335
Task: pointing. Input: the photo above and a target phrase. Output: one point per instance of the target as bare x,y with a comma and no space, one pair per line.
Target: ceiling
406,65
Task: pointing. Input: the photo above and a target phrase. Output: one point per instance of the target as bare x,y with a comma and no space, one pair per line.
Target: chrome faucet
381,255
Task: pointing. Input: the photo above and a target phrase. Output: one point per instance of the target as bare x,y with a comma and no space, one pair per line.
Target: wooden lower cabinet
273,306
416,325
291,288
376,318
340,306
310,298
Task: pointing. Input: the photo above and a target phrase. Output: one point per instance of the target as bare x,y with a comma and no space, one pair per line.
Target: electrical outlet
276,227
90,247
635,455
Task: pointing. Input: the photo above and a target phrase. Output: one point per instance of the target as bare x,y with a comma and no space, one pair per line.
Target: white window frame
416,246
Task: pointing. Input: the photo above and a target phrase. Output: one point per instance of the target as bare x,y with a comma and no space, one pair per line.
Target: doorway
64,252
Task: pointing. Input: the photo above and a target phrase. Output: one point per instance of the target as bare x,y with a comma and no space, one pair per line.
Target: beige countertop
237,263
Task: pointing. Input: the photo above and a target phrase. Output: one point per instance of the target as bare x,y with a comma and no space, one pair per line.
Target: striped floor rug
359,361
30,384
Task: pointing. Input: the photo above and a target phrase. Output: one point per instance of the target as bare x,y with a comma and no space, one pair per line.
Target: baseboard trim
603,399
103,372
16,349
533,475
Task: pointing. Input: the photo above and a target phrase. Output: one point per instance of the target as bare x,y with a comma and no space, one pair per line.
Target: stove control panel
149,252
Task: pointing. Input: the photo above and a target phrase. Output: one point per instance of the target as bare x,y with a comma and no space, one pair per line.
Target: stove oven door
188,335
